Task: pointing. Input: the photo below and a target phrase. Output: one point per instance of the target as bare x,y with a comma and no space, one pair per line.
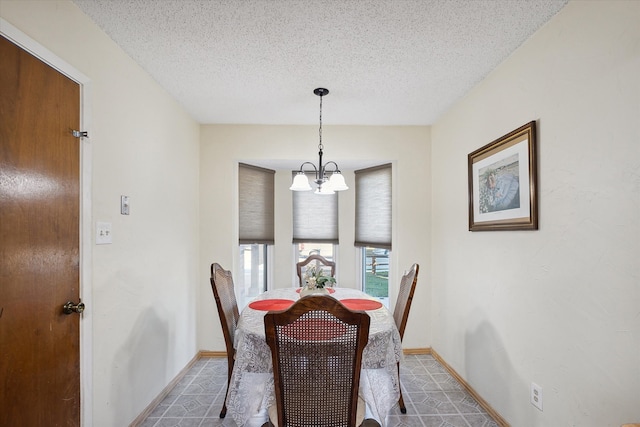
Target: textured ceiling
385,62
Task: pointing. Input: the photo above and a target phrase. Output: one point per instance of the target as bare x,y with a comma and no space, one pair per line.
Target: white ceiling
385,62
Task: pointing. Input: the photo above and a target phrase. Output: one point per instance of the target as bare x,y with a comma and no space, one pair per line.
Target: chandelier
326,184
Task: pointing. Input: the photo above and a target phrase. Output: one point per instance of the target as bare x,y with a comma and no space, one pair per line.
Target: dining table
251,389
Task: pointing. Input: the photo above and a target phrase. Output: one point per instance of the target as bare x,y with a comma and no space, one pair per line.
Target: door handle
70,307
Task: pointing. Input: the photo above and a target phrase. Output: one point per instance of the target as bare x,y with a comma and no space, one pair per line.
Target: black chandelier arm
320,172
315,169
337,169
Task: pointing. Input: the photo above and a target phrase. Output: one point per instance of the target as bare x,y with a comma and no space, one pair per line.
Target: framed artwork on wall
503,183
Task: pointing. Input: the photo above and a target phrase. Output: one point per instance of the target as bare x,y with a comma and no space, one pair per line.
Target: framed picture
503,182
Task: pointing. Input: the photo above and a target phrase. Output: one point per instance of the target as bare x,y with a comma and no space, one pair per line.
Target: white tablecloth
251,389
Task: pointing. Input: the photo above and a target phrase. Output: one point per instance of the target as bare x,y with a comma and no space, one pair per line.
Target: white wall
558,306
144,146
223,146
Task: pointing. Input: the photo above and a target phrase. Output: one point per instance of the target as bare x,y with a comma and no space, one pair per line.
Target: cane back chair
320,261
316,347
401,312
224,294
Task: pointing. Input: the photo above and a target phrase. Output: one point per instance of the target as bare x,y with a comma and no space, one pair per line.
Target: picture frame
503,182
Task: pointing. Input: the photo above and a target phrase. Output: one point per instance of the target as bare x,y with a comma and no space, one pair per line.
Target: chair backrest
224,293
316,348
405,297
319,261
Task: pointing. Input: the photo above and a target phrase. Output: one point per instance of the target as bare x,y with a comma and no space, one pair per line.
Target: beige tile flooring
432,397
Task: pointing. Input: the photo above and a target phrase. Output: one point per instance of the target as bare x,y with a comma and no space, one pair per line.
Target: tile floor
432,397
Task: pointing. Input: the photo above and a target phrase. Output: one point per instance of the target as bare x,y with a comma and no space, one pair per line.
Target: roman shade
256,201
315,216
373,207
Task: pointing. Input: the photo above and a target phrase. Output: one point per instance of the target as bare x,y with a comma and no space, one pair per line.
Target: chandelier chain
320,146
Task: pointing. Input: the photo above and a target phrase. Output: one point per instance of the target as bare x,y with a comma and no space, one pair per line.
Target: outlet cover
536,396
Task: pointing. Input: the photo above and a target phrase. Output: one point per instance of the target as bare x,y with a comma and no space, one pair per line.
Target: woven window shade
315,216
256,195
373,207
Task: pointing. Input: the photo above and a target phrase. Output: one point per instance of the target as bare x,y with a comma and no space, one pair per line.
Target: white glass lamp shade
337,182
300,183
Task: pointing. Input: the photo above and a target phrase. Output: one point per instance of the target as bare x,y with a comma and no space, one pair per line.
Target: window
315,224
256,230
304,249
252,278
373,227
375,272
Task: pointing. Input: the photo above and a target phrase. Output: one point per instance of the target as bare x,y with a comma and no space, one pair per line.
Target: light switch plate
124,205
103,233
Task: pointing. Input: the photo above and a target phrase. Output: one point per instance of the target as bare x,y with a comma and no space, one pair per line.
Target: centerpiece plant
315,278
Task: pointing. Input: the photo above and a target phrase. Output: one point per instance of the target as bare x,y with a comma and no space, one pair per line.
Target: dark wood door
39,242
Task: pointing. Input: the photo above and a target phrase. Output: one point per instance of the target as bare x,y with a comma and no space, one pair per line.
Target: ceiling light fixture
326,185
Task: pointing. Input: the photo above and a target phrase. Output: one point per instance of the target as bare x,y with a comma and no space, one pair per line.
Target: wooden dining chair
316,349
319,261
224,294
401,311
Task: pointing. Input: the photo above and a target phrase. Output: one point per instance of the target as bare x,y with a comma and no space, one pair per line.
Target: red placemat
331,290
315,330
361,304
271,304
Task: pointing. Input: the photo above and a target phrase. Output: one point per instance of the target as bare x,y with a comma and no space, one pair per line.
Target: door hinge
80,134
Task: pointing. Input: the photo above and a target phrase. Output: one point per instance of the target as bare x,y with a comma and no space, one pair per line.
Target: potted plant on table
315,281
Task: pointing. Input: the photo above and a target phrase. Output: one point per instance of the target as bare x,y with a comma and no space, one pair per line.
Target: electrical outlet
536,396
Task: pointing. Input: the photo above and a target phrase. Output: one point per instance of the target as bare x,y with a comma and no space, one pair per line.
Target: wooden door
39,242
